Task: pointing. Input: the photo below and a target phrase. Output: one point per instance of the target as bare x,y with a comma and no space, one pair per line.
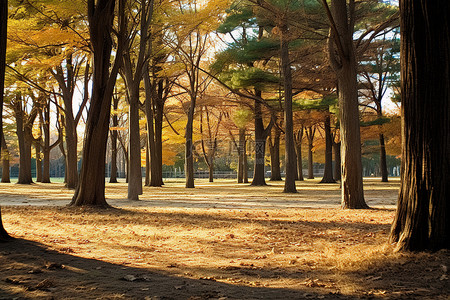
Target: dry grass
311,252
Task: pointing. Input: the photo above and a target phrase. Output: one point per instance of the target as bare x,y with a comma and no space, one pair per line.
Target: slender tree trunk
328,171
91,187
71,154
159,114
46,148
37,148
189,155
337,161
298,143
310,132
24,150
274,147
245,162
423,211
383,162
115,124
211,170
241,151
290,156
134,148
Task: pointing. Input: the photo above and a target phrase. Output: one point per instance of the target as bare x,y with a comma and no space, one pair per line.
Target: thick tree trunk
274,147
5,167
290,156
71,153
24,150
189,155
423,213
383,162
91,187
134,148
328,171
337,161
345,67
4,236
260,146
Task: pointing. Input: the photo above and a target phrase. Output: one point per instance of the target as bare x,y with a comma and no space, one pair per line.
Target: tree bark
134,147
298,144
290,156
24,137
189,155
337,161
261,135
241,150
37,148
344,64
423,213
328,171
115,124
91,187
46,149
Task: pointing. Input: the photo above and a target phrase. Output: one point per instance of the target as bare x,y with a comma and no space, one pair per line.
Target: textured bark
24,136
189,155
274,148
337,161
46,149
261,135
328,171
134,146
423,213
91,187
343,60
241,152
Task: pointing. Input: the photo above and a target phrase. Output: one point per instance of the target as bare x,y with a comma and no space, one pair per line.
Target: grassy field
217,241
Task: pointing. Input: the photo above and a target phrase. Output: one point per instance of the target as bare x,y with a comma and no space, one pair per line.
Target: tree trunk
211,170
5,162
37,148
71,154
189,155
24,150
91,187
241,151
290,157
260,145
46,148
383,162
328,171
274,147
346,73
115,124
134,147
245,162
423,213
159,114
298,144
310,132
337,161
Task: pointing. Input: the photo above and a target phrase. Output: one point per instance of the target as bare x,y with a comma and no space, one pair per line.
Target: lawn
218,241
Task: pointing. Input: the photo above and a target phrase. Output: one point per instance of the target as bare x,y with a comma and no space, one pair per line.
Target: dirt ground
217,241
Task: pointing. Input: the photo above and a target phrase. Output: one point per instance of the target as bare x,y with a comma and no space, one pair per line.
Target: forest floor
217,241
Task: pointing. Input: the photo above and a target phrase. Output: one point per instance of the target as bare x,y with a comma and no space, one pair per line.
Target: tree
423,213
343,59
4,236
91,187
328,171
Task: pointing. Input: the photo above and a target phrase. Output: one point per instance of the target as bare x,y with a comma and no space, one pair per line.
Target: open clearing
218,241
